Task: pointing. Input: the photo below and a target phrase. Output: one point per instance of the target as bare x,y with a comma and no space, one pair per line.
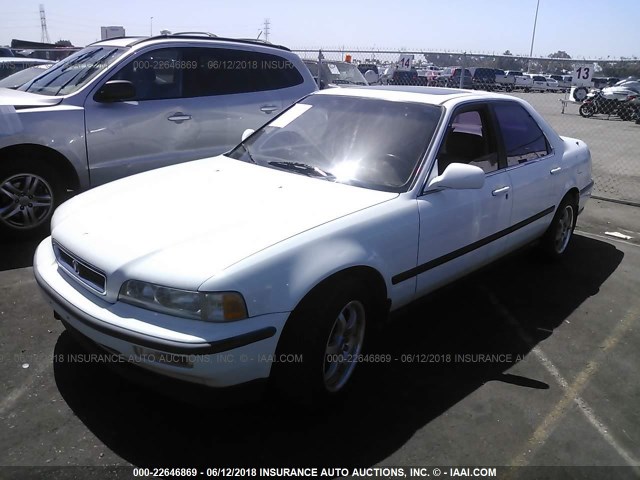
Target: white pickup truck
516,80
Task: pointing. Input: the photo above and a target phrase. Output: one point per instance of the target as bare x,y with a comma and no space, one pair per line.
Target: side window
523,139
229,71
155,74
469,139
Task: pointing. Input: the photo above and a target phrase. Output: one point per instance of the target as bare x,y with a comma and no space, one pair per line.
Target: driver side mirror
458,176
115,91
247,133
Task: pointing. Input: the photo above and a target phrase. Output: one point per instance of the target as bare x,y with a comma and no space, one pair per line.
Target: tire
587,110
509,88
557,238
30,190
527,90
327,330
580,93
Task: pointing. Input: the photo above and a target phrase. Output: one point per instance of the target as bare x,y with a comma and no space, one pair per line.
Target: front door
461,230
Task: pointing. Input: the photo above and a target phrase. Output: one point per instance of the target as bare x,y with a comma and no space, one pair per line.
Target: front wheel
29,193
587,110
557,237
326,332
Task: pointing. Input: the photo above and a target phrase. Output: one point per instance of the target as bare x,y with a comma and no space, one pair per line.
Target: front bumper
216,355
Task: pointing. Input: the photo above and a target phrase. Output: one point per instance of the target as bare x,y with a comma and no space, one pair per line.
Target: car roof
403,93
25,60
209,38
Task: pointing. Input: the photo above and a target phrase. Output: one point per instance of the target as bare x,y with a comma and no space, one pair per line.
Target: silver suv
126,105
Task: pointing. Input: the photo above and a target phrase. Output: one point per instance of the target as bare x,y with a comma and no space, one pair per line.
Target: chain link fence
611,131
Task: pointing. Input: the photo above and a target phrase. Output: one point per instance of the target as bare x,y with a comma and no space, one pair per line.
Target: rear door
532,166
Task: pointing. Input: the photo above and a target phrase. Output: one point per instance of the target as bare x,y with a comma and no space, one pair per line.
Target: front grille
80,270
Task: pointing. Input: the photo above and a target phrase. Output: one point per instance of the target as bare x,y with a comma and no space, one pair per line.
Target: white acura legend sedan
274,260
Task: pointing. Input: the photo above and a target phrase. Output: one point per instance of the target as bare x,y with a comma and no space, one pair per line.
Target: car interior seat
460,147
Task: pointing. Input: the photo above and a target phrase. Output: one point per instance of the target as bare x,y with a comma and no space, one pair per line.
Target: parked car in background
405,77
564,81
503,80
553,85
428,76
450,77
467,79
11,65
6,52
18,79
538,84
365,199
483,78
520,80
126,105
335,73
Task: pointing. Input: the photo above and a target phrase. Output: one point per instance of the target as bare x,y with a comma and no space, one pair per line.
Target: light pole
533,37
151,26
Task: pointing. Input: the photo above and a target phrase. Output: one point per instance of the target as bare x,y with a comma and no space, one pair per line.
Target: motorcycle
616,100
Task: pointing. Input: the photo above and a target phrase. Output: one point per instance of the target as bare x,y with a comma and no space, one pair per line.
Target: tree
63,43
559,54
504,63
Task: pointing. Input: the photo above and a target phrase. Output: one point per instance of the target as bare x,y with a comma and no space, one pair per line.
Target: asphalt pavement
524,363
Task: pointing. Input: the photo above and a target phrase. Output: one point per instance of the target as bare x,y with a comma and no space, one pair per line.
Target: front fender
383,237
59,128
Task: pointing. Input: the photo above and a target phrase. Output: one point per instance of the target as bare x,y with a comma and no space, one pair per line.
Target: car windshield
73,72
371,143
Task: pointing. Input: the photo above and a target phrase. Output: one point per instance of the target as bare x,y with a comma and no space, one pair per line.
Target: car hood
20,99
183,224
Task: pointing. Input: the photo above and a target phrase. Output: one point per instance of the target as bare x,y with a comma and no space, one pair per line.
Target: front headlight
205,306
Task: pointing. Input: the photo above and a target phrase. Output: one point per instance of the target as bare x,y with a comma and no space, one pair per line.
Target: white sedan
274,260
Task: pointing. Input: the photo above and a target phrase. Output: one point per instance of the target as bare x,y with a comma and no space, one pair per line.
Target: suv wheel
29,193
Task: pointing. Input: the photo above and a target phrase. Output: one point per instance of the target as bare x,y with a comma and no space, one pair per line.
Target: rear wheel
30,190
587,110
558,236
327,332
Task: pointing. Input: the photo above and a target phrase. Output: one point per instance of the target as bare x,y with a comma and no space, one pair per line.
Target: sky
582,28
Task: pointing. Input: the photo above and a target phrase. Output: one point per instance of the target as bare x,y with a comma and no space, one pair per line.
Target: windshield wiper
303,168
246,149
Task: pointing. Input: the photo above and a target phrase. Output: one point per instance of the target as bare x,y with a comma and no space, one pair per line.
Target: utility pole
44,33
151,27
267,26
533,37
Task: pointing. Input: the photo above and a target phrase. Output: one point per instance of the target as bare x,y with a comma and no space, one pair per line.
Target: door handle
500,191
555,170
269,108
179,117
